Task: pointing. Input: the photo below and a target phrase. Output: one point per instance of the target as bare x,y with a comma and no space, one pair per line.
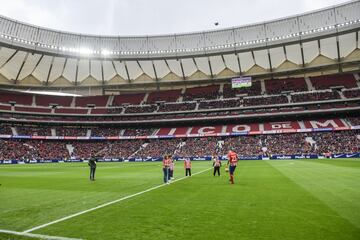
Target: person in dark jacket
92,164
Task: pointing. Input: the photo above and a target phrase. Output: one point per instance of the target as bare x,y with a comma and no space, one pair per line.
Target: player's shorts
232,169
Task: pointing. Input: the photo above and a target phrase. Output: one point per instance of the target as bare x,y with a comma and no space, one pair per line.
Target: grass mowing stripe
336,186
37,236
106,204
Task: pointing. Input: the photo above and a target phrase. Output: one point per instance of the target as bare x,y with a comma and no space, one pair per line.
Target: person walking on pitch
187,166
216,165
231,164
92,165
166,167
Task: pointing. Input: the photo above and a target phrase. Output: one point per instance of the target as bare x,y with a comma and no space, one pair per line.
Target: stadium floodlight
105,52
85,51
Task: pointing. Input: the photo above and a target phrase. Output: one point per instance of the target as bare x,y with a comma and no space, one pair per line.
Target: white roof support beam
20,69
48,75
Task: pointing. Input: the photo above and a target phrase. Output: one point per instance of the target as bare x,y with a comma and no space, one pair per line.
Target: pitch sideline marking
38,236
106,204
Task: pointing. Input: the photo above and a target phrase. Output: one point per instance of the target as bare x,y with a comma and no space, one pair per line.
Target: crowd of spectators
315,96
70,131
199,147
105,132
16,149
337,142
270,100
352,93
33,130
228,103
87,149
254,145
114,110
159,148
355,121
121,149
244,146
175,107
139,131
5,129
141,109
287,144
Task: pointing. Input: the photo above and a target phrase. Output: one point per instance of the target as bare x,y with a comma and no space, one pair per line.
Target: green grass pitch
281,199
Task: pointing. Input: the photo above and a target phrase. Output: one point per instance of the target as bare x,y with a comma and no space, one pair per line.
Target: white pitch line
38,236
106,204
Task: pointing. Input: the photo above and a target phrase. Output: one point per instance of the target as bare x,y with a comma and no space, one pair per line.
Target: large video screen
241,82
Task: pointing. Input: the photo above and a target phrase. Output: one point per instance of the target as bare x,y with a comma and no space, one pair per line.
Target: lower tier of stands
252,145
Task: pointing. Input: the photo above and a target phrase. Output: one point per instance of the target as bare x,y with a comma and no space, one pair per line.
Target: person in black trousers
216,165
92,164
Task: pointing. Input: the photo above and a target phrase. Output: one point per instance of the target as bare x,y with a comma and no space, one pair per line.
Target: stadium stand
328,81
33,109
254,145
177,107
164,96
159,148
33,130
352,93
45,100
207,92
227,103
5,129
70,131
315,96
276,86
141,109
266,100
139,132
17,97
98,101
102,132
254,90
337,142
71,110
134,99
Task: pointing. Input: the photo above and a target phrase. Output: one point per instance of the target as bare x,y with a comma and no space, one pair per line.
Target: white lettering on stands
205,130
241,128
281,125
326,124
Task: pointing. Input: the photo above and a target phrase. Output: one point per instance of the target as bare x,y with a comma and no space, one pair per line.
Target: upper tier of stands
328,81
266,92
164,96
44,100
276,86
134,99
98,101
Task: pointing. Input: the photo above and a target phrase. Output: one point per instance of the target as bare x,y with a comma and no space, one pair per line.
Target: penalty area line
37,236
107,204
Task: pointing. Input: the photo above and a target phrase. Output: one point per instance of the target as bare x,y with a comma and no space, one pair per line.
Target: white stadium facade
321,42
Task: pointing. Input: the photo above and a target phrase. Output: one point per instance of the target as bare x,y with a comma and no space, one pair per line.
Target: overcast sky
144,17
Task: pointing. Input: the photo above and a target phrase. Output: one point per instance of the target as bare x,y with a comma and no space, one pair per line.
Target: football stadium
243,132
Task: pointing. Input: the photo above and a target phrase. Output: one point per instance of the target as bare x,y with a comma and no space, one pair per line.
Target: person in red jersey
166,168
216,165
231,164
187,166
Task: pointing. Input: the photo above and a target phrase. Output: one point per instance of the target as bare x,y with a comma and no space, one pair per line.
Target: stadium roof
36,56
